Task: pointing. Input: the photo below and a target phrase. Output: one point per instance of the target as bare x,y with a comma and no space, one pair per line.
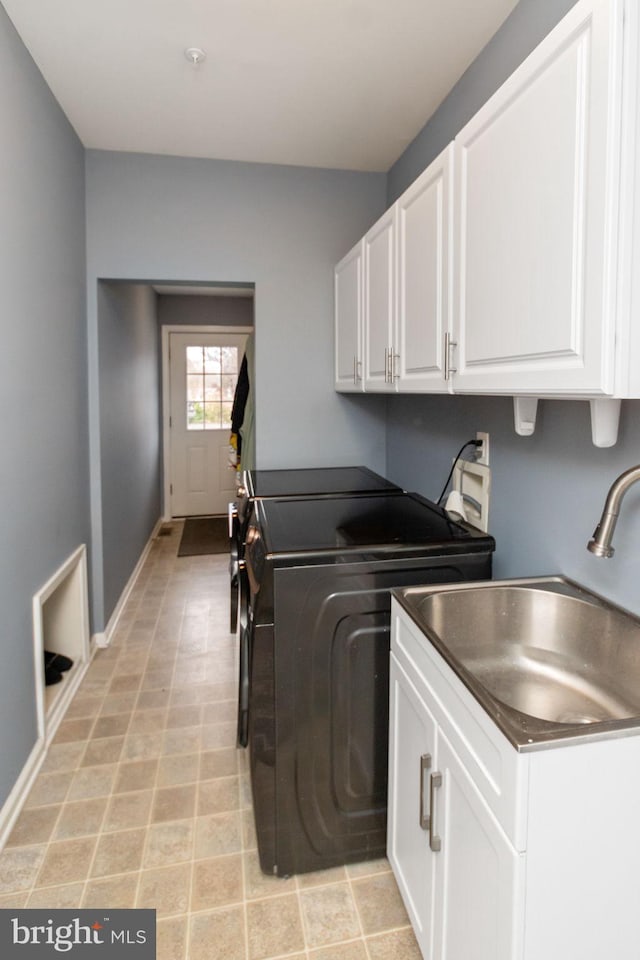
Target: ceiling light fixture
195,55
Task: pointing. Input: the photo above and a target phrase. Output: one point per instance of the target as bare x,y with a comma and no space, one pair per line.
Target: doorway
203,369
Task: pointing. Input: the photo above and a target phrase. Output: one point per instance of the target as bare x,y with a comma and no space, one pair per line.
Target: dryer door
332,706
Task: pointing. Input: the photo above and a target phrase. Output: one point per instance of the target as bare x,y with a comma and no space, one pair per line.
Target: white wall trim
103,639
12,807
166,399
65,627
14,803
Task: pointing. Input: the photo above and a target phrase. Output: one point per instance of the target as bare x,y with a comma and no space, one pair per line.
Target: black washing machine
320,572
297,482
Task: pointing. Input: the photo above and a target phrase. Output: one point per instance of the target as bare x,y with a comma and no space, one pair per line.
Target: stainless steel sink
544,648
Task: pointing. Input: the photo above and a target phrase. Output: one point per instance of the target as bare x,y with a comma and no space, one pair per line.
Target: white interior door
203,371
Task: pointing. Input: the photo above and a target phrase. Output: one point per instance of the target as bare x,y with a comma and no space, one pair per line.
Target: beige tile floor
143,799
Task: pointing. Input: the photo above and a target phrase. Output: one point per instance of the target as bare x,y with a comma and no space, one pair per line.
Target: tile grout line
358,915
154,788
111,794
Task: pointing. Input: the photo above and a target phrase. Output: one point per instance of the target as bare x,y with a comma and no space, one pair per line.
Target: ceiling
343,84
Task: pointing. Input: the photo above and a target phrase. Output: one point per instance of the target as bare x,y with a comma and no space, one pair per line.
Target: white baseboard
12,807
104,639
14,803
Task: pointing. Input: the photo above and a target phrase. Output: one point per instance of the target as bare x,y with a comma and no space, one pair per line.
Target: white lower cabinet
412,745
457,872
502,854
478,872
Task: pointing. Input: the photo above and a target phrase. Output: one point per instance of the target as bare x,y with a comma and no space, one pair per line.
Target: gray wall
547,490
282,228
43,379
130,418
217,311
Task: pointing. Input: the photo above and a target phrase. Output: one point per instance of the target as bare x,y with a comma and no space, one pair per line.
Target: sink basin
546,648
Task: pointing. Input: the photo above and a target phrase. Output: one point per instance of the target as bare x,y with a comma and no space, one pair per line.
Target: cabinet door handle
449,344
425,765
395,364
386,364
435,782
358,366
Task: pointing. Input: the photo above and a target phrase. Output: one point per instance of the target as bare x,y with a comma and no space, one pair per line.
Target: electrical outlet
482,452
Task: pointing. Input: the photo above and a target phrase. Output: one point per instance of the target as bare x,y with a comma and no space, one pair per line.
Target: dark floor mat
203,535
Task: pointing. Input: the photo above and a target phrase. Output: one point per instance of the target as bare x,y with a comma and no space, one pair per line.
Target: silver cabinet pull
435,782
449,344
358,371
425,765
355,368
390,360
232,516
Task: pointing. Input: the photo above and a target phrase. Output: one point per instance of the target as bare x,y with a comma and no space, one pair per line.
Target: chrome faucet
600,544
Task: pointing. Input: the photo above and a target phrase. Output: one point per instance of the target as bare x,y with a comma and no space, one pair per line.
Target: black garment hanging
240,401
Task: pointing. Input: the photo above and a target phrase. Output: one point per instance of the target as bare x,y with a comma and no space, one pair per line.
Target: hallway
144,800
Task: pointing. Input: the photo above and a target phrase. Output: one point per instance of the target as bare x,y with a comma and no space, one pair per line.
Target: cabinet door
412,739
479,876
537,183
424,232
348,321
379,284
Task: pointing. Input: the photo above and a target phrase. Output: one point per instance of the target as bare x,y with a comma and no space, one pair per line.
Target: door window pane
212,374
228,386
211,387
212,359
229,360
194,359
195,387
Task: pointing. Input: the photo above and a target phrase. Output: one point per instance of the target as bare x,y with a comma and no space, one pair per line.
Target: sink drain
569,717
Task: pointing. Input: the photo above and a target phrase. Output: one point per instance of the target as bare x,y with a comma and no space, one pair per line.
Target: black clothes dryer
320,573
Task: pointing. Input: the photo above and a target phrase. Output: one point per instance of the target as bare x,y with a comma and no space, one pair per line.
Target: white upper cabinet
538,189
510,265
379,303
400,313
348,321
407,281
424,219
